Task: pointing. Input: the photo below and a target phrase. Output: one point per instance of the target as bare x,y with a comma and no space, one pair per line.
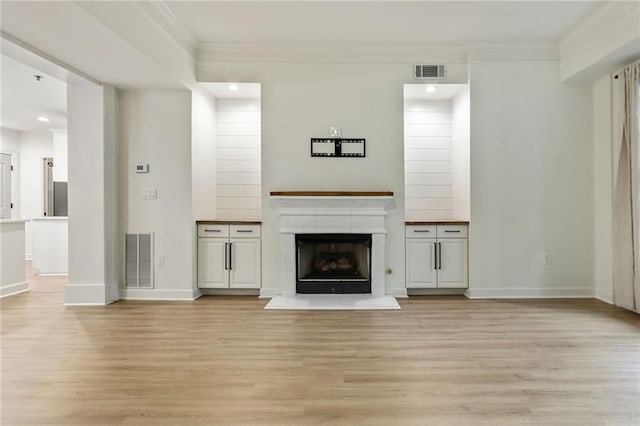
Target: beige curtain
626,209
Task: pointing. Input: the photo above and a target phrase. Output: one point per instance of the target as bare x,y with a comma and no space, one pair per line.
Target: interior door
5,186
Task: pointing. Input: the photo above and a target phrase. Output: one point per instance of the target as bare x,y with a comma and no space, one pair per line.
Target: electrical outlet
389,270
160,260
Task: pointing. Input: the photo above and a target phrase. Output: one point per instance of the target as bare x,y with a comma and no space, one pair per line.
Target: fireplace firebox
333,263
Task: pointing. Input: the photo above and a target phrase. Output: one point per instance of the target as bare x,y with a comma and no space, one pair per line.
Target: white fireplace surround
333,215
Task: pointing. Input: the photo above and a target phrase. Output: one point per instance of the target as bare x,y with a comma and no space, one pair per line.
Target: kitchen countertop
228,222
435,222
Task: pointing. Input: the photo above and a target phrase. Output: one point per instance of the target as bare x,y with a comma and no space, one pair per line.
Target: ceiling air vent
430,72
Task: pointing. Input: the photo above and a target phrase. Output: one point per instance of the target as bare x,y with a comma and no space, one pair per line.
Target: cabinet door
211,263
453,263
420,266
245,263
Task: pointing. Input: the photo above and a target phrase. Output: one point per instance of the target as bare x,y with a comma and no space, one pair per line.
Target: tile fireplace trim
335,214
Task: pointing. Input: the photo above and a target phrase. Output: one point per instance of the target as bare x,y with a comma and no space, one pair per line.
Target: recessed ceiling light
233,87
431,88
43,119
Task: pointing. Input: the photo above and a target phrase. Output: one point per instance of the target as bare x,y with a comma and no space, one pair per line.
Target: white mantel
337,214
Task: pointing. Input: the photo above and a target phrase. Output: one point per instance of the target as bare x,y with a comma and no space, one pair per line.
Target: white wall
34,146
10,144
460,154
238,190
603,189
155,128
427,159
9,141
60,173
531,182
203,155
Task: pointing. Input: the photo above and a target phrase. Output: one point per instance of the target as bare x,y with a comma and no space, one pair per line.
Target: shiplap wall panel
415,142
435,203
436,179
244,154
238,141
239,116
236,129
428,154
245,190
414,166
423,191
238,166
238,178
428,169
238,189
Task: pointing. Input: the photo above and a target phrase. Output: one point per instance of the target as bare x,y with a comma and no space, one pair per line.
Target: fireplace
333,263
323,215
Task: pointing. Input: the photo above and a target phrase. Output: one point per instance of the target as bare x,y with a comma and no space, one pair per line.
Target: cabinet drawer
452,231
213,231
245,231
421,231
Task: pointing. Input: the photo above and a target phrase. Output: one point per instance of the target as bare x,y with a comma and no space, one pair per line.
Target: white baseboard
28,257
13,289
530,293
268,293
605,297
159,294
229,291
436,291
398,292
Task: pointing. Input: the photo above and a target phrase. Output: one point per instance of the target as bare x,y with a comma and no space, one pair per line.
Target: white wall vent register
429,72
139,261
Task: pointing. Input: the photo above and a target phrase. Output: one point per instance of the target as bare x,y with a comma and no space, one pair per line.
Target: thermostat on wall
142,168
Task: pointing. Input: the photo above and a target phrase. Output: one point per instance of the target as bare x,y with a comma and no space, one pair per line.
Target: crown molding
608,38
513,51
376,54
599,24
339,54
160,16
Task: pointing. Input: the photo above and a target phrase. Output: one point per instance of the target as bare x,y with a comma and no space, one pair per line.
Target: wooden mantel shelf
331,193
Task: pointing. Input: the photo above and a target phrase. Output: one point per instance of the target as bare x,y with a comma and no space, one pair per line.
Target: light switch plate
150,194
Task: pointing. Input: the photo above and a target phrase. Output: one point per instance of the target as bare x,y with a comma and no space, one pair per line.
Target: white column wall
203,158
603,189
88,119
155,129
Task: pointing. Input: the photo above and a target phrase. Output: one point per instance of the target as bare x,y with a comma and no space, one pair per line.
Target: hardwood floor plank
225,360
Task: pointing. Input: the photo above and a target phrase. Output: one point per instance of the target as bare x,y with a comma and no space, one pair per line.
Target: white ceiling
24,99
442,91
222,91
390,22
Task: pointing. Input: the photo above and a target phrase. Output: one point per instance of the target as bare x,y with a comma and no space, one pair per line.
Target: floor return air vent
139,261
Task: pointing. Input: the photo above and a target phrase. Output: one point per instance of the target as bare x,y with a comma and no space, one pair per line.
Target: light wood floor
225,360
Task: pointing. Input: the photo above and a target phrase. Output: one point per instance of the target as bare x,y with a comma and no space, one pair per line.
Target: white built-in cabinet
229,256
436,256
